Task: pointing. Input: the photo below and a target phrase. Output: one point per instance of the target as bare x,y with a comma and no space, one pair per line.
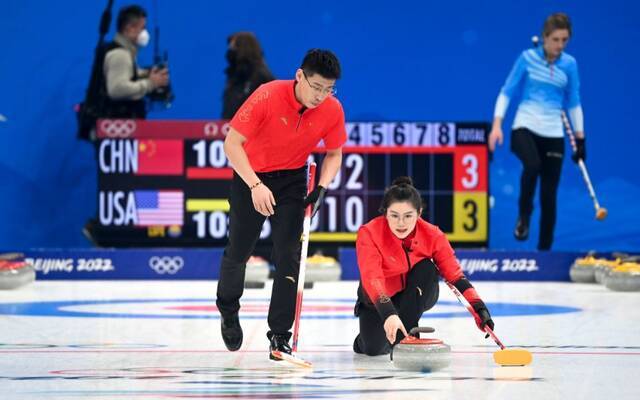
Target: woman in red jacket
400,257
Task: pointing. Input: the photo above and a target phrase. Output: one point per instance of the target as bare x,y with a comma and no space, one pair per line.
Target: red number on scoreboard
470,169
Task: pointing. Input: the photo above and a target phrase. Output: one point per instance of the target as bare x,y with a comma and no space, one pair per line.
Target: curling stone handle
420,329
11,256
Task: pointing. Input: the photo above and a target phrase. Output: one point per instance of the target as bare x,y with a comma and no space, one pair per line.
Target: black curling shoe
231,332
278,342
522,229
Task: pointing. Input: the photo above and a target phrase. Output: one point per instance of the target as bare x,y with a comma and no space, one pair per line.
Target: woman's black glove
581,152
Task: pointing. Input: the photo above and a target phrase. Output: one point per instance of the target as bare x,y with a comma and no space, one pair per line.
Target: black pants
245,223
410,304
540,157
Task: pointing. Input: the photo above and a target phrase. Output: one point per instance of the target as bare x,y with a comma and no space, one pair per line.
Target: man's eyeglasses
320,89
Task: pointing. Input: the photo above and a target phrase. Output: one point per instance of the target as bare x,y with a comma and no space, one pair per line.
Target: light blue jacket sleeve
515,77
573,87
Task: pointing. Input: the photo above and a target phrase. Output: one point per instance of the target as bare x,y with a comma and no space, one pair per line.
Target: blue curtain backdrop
422,60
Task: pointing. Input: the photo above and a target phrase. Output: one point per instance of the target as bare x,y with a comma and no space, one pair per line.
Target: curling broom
504,357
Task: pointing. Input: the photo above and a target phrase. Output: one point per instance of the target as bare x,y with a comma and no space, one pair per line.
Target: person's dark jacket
242,80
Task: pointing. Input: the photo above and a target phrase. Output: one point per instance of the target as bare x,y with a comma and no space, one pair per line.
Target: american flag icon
159,207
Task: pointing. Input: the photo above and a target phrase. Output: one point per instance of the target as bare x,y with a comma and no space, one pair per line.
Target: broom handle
581,164
585,175
303,257
469,307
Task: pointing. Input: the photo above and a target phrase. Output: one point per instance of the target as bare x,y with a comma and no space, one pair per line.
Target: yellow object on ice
321,261
512,357
613,263
628,267
591,261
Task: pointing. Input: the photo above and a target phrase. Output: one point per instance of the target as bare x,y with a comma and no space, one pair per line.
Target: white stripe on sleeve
501,106
577,118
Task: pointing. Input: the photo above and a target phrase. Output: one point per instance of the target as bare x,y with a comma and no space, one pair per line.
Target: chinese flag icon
160,157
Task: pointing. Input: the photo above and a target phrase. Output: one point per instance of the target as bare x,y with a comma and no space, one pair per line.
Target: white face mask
143,38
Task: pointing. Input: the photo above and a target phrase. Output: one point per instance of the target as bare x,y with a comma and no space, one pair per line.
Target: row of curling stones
421,354
621,274
15,271
590,269
319,269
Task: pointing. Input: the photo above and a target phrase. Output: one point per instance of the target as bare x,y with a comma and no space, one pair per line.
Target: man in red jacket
400,257
270,139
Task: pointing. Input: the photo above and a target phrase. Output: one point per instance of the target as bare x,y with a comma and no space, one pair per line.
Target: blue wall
423,60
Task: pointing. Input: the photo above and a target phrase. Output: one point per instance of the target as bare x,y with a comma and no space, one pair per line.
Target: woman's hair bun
402,180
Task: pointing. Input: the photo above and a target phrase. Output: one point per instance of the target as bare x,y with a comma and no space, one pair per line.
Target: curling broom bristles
291,359
601,213
512,357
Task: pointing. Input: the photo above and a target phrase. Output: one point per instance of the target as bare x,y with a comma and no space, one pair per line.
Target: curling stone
603,268
256,273
322,269
625,278
14,271
583,269
416,354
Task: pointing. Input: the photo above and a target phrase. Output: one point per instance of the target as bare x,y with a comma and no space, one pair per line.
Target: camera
164,94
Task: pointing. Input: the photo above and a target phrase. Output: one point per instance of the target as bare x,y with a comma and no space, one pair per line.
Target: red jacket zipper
404,276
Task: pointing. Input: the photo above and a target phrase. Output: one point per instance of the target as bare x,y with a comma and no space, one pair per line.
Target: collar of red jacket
291,97
408,241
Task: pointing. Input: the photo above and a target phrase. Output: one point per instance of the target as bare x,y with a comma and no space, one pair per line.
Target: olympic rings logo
166,264
118,128
212,129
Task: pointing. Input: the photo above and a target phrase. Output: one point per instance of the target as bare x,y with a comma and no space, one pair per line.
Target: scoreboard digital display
166,183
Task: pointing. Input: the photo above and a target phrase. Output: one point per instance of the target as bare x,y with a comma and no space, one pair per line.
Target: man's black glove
483,317
580,152
316,197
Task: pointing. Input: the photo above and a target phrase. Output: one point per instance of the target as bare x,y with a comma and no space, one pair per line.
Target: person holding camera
125,83
117,86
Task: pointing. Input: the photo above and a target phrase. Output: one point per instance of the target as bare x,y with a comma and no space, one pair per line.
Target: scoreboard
166,183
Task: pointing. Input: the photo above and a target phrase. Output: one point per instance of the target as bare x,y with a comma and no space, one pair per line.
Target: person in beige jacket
125,83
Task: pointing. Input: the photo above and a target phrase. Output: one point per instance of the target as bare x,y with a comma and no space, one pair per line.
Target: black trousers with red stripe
245,224
420,294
